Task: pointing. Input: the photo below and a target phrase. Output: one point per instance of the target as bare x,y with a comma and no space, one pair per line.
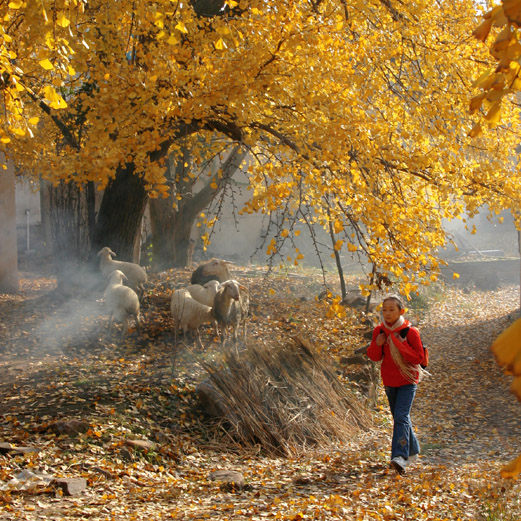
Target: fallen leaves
145,453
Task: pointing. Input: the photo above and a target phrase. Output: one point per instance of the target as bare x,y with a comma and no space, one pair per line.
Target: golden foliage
507,351
355,109
501,81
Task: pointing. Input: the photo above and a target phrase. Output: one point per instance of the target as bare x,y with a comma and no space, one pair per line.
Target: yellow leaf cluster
364,116
504,80
507,351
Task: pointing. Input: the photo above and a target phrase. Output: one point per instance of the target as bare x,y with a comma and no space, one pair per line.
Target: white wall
27,196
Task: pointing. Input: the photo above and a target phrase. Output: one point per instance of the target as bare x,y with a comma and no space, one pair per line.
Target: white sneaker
399,464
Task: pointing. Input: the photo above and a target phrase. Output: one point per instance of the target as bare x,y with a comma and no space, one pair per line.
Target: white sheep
134,273
212,269
121,301
230,308
205,293
188,314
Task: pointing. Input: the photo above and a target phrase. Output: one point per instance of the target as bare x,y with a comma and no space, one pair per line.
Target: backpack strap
404,331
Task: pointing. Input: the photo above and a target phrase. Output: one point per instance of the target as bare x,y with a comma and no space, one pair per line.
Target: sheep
188,314
204,293
134,273
213,269
230,308
121,301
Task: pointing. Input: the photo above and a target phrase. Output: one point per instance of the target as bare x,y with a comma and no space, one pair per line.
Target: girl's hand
380,339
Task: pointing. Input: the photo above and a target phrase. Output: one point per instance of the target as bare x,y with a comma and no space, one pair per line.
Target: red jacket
410,348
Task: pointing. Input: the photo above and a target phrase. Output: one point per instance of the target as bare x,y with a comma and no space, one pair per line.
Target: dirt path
464,412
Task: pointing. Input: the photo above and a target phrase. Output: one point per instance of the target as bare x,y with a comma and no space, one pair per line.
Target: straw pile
285,398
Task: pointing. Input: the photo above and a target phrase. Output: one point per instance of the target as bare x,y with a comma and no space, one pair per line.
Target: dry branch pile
285,398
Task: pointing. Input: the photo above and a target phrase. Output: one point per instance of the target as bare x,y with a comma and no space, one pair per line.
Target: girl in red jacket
401,357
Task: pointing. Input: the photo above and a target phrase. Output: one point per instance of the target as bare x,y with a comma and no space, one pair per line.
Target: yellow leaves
214,185
476,130
508,344
493,116
338,226
485,81
512,9
62,20
16,4
507,352
476,102
284,233
181,27
49,41
512,469
352,247
482,31
54,99
46,64
18,131
502,40
338,245
220,44
173,40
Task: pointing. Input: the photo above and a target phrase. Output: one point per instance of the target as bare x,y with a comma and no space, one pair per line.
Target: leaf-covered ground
58,363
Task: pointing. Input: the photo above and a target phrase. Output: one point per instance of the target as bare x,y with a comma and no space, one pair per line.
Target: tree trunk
171,228
183,223
91,210
162,219
67,214
120,215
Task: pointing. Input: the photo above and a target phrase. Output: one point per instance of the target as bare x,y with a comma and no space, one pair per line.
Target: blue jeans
404,442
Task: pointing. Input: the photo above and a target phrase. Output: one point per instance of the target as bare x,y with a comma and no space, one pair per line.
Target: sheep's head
217,267
117,277
106,252
231,288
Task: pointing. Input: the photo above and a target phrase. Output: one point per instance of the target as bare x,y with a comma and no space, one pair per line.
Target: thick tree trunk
171,228
67,216
162,219
120,215
184,221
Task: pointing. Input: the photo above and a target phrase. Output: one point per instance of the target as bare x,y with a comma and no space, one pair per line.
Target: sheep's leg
125,326
111,325
216,325
176,332
223,334
198,338
138,320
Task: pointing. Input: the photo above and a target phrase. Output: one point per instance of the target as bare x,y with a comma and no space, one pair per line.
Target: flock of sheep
212,297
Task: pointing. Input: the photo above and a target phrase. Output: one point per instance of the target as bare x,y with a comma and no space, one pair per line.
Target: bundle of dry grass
285,399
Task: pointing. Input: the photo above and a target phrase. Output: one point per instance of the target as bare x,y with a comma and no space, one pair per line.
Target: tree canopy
354,110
